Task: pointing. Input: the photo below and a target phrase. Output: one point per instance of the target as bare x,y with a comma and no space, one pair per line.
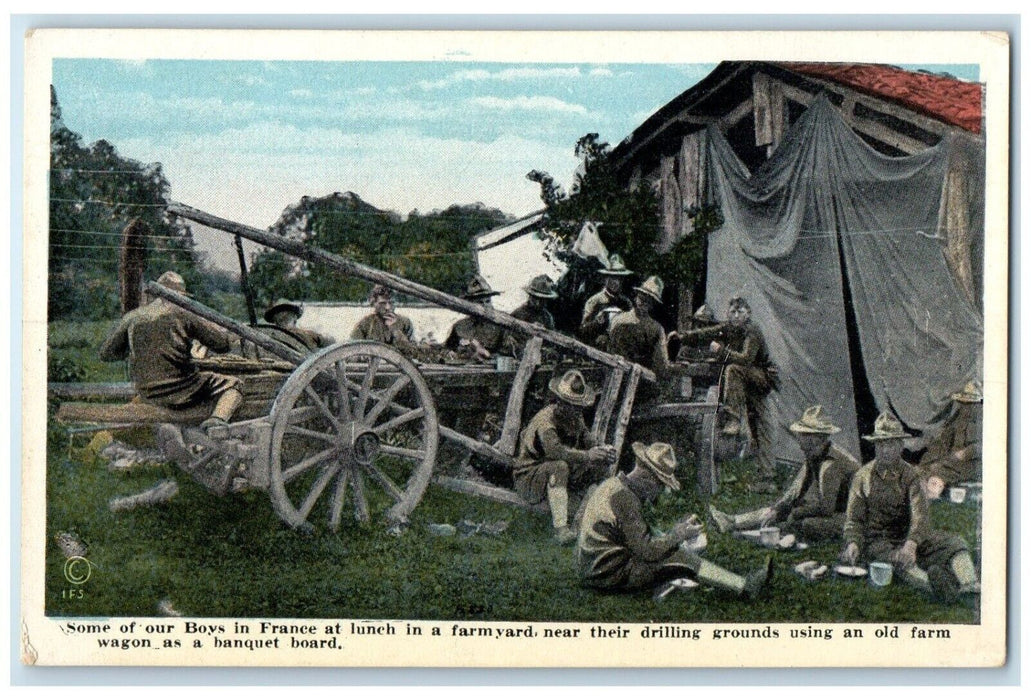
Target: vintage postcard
586,349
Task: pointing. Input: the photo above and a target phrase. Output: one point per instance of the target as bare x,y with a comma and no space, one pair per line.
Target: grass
232,557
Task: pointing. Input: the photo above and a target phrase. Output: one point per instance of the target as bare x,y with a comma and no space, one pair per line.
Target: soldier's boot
558,502
742,586
224,410
962,566
917,578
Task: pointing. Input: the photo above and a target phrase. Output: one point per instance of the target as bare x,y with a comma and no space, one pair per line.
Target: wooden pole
131,263
260,339
401,285
623,419
514,409
245,286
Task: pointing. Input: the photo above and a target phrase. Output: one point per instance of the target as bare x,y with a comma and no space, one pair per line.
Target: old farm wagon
359,424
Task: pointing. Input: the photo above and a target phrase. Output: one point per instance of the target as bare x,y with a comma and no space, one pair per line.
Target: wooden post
131,264
514,409
606,404
245,286
623,420
401,285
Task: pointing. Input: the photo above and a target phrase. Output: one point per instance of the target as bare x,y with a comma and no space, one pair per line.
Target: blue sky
245,139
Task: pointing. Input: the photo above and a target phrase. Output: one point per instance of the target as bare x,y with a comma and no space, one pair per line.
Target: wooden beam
493,493
607,403
476,447
728,120
351,268
514,410
84,390
623,420
674,410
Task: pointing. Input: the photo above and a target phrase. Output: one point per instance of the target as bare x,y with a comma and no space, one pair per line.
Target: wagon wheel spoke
339,494
415,455
386,398
345,400
361,505
384,481
397,421
306,464
321,405
298,430
363,394
328,472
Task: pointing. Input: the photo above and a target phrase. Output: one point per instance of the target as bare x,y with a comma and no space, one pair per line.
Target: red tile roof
953,101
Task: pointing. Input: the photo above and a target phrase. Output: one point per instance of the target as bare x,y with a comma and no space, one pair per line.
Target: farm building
853,206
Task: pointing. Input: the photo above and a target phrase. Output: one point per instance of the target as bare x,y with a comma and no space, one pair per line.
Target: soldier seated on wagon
282,325
603,306
482,338
157,339
638,337
384,325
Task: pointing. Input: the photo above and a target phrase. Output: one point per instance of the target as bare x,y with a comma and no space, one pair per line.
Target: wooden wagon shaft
514,410
258,338
400,284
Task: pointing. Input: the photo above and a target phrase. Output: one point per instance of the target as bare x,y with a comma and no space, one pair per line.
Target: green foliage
433,249
94,194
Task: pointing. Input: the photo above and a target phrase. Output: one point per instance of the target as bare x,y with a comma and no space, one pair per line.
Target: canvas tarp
825,210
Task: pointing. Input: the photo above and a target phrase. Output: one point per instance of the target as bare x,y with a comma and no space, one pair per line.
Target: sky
245,139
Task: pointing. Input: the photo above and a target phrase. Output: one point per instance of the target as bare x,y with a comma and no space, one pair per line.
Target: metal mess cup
957,494
880,573
769,536
503,363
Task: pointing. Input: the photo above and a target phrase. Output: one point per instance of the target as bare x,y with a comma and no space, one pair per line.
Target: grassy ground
231,556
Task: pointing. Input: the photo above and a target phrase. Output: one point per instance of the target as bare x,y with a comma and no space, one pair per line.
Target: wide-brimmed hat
653,287
703,315
813,421
572,388
887,427
380,291
971,394
659,459
542,287
282,305
174,281
615,267
478,289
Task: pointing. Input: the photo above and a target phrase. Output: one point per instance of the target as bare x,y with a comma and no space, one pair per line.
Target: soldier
887,520
535,310
157,339
615,550
955,454
384,325
283,317
814,505
637,336
557,451
600,308
484,338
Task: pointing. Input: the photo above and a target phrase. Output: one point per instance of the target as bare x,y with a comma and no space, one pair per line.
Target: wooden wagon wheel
354,423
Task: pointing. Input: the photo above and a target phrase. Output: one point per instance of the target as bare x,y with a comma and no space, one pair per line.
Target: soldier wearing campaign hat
600,308
954,454
482,337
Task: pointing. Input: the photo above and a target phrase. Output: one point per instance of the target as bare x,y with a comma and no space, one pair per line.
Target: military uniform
961,433
814,504
615,549
640,340
372,327
490,335
157,339
548,448
594,327
887,507
535,314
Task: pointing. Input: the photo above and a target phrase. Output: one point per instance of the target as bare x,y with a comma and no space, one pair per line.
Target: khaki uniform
615,550
553,454
886,507
372,327
814,504
594,325
156,339
300,339
532,314
961,433
490,335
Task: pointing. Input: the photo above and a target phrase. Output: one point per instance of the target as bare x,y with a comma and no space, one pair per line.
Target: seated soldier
638,337
384,325
616,551
557,451
482,337
603,306
157,339
282,325
540,290
814,505
955,454
887,520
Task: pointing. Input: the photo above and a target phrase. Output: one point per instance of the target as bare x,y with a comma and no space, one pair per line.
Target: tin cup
957,494
769,536
880,573
503,363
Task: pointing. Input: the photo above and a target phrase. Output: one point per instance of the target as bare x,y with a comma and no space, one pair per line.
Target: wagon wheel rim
355,429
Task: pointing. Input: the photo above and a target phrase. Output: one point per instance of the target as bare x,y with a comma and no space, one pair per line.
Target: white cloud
523,102
301,93
601,73
506,75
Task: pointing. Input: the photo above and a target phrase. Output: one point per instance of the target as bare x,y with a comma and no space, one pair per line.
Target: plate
850,571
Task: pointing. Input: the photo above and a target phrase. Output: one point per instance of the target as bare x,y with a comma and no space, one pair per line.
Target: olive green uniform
156,339
551,453
887,507
961,434
490,335
594,325
814,505
372,327
615,550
